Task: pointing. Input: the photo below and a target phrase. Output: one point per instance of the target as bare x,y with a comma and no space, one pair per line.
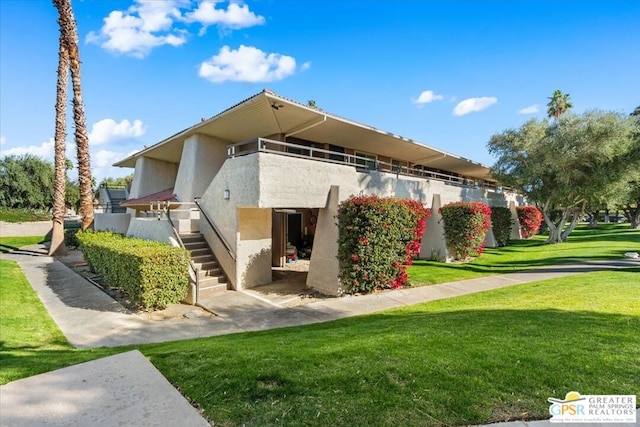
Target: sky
448,74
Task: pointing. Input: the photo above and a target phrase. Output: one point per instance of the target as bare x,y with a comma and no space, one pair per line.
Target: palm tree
69,32
559,103
60,180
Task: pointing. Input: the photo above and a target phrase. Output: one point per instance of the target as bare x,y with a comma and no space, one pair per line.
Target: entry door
278,239
294,228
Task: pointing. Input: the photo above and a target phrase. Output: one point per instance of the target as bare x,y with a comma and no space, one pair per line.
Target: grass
609,241
8,244
30,342
22,215
481,358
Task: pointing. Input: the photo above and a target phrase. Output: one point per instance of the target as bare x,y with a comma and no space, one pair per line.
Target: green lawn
480,358
22,215
609,241
8,244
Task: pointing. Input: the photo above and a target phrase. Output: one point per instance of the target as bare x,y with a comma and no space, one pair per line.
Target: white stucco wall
152,229
115,222
202,158
151,176
265,181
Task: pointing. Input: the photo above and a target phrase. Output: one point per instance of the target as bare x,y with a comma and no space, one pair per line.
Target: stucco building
262,180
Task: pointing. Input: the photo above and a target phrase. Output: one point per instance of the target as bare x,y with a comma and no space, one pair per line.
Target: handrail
215,229
196,270
328,156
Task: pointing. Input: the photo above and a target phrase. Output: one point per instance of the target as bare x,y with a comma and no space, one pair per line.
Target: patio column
323,269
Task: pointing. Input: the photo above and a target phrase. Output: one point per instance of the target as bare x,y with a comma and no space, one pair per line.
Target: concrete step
211,272
210,265
191,238
195,245
212,281
203,258
214,290
199,252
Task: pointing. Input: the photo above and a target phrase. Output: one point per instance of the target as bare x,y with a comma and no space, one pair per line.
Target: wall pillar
434,244
323,268
253,255
515,224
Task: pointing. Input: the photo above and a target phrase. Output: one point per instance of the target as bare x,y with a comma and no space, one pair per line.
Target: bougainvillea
530,219
465,227
501,222
379,237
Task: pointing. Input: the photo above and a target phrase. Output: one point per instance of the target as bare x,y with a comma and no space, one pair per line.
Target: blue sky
447,74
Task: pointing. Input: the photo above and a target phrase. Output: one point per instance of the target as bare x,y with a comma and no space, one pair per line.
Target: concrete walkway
90,318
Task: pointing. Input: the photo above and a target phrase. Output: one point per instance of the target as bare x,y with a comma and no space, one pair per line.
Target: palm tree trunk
70,33
60,180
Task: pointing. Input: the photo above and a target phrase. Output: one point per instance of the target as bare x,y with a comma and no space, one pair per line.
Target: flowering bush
465,227
530,219
501,221
378,239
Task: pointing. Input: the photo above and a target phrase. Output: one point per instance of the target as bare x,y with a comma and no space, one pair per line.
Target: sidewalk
101,393
90,318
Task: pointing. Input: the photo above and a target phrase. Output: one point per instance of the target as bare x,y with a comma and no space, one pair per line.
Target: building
262,180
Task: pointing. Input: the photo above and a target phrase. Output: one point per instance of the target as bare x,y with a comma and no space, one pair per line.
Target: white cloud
247,64
470,105
108,130
426,97
532,109
44,150
152,23
145,25
235,17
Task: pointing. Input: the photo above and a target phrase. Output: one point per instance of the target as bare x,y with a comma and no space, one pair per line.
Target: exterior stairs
211,278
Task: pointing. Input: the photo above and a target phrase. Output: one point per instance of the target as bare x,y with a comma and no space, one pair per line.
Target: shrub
378,239
465,227
530,219
501,221
71,238
152,274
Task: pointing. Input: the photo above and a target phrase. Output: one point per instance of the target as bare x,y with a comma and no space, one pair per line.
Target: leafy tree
567,162
26,182
558,104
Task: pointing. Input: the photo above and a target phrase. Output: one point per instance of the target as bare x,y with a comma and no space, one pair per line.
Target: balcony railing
361,163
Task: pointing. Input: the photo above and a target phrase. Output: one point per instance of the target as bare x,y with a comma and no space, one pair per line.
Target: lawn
8,244
480,358
22,215
609,241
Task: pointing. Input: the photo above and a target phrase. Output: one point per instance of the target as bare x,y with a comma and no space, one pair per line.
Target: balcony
362,163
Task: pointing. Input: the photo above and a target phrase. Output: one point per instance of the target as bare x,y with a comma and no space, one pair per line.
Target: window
368,161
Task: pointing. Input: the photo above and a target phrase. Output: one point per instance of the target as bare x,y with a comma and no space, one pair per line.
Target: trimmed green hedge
501,222
152,274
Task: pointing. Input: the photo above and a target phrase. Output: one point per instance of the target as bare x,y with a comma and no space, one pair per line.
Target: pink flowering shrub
465,227
379,237
530,219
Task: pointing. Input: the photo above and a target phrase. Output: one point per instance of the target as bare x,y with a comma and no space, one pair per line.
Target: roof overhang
267,114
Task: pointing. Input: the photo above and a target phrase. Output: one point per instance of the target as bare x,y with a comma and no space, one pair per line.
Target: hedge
501,222
378,238
530,219
465,227
152,274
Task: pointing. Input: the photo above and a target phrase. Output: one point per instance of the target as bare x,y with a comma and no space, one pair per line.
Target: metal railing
215,230
361,163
